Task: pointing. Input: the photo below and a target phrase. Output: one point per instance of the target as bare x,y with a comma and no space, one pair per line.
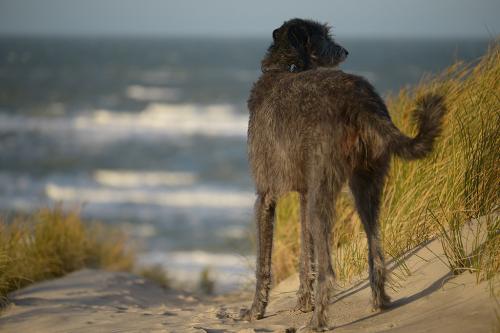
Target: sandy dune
430,300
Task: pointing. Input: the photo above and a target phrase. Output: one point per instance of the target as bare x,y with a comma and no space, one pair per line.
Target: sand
429,300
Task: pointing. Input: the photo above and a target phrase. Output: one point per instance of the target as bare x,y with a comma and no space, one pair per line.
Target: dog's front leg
264,214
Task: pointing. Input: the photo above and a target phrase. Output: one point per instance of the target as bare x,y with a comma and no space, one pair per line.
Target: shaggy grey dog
312,129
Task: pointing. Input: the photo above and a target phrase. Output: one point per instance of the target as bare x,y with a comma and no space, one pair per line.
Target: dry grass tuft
157,274
50,243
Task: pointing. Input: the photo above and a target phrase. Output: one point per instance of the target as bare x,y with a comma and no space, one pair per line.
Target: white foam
161,75
197,197
157,119
127,178
235,232
151,93
168,119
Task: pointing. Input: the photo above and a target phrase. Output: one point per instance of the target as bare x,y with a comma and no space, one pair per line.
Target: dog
313,128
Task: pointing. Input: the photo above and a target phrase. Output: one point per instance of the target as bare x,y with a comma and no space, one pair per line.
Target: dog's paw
250,314
382,303
319,324
315,328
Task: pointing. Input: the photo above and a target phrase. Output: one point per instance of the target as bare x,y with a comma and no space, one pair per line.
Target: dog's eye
317,38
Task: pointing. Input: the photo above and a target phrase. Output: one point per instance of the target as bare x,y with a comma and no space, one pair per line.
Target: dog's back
291,115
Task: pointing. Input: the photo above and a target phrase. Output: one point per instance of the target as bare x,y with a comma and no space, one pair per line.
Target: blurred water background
150,134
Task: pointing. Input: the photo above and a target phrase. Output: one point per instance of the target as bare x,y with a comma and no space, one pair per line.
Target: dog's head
299,45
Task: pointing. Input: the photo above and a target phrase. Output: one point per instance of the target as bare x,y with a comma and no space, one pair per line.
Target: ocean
149,135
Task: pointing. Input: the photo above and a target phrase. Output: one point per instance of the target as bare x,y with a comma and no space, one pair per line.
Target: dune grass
436,196
157,274
50,243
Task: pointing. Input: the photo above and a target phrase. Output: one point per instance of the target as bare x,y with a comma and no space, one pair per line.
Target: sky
234,18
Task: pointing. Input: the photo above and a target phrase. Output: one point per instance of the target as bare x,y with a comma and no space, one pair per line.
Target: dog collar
291,68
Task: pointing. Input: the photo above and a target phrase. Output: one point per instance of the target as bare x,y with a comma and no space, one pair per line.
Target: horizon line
229,36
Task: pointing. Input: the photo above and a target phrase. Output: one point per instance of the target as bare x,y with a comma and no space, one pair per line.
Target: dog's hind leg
321,203
265,206
305,301
366,187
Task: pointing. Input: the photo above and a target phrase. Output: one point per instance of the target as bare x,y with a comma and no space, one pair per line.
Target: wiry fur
313,128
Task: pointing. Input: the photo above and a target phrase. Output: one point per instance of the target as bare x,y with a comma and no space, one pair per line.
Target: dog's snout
343,52
340,52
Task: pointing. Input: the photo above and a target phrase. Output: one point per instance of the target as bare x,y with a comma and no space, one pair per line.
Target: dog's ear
299,40
297,37
276,34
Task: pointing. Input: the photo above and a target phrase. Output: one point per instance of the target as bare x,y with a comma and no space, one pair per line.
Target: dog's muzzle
342,53
335,52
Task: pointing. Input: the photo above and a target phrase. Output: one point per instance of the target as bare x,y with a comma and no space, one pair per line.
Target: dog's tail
428,115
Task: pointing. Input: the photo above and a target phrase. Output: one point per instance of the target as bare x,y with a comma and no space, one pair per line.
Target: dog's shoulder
335,75
332,83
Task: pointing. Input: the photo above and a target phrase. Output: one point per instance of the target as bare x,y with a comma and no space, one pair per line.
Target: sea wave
157,119
196,197
152,93
129,178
